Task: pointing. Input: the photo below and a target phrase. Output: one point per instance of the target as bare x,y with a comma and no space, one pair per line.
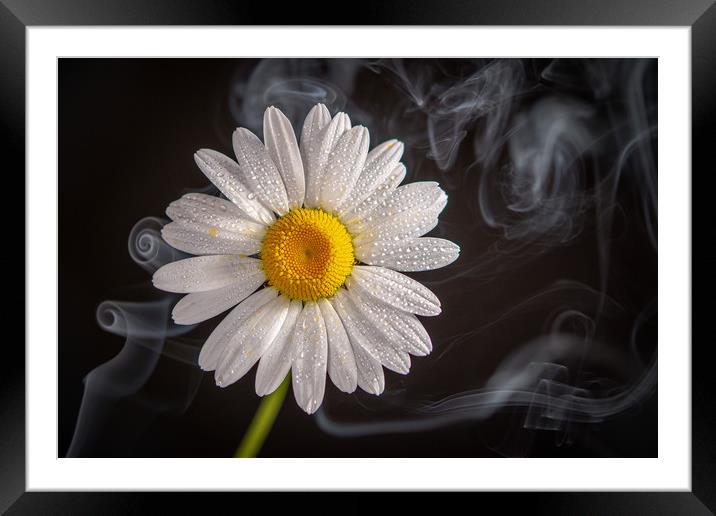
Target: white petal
259,171
310,360
410,211
200,306
419,196
219,338
397,329
367,334
316,120
422,195
370,373
417,254
354,217
208,241
344,165
251,341
395,289
410,335
317,160
225,174
276,362
214,206
283,148
202,273
214,216
379,164
341,359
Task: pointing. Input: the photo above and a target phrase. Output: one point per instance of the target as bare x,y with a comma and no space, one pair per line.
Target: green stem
262,422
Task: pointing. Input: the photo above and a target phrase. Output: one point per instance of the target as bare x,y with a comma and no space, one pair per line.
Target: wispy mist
120,393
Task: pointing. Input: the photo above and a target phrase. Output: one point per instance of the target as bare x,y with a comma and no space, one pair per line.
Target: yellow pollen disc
307,254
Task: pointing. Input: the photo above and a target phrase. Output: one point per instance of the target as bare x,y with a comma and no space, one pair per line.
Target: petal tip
311,407
183,321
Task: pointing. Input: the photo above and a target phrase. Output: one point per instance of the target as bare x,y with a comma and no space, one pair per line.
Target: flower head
324,227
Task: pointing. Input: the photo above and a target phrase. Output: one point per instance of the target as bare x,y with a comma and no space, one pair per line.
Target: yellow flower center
307,254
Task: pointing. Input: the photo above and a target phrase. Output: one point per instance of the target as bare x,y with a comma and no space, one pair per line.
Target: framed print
344,258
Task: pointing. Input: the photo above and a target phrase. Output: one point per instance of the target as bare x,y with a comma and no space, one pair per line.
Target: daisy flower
307,247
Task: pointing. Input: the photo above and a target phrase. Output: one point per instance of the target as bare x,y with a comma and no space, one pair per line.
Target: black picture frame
700,15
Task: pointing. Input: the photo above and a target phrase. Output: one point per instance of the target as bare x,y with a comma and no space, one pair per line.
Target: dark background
551,176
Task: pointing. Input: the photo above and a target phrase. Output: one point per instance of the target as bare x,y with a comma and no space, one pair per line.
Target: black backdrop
555,288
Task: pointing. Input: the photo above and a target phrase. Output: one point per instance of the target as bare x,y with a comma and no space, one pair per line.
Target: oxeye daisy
307,249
